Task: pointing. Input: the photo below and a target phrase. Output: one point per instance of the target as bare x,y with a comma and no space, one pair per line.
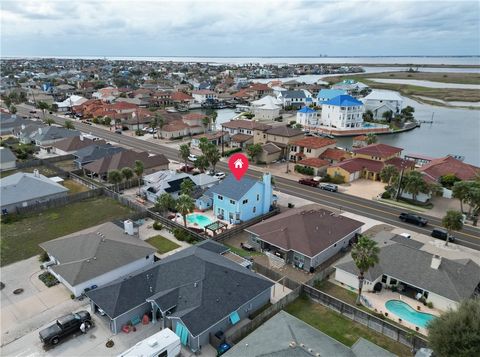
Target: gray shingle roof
95,152
6,155
54,133
85,256
273,338
293,94
204,286
231,188
454,279
21,187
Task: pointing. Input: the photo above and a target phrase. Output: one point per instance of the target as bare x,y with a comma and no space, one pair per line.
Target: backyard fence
59,202
253,324
171,225
275,276
377,324
240,227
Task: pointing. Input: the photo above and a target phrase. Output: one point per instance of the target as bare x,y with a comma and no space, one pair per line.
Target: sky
239,28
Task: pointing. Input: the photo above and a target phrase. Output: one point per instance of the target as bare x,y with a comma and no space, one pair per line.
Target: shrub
232,151
304,170
48,279
182,235
337,179
44,257
157,226
430,304
72,296
386,195
138,132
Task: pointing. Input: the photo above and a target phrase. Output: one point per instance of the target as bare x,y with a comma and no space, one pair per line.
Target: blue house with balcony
327,94
239,201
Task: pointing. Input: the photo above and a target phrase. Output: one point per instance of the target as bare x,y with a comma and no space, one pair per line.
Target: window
258,197
384,279
393,281
254,209
220,197
163,354
232,202
237,216
264,136
245,202
425,294
309,150
147,257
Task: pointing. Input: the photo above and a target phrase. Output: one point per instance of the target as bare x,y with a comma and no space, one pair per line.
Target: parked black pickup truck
413,218
65,326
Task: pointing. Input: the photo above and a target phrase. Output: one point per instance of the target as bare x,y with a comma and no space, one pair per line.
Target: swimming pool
405,312
199,219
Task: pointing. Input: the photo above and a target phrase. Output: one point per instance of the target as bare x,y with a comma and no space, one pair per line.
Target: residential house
181,98
368,162
310,147
70,102
252,128
162,99
448,165
413,271
335,155
239,201
8,160
281,136
326,94
25,132
46,136
267,108
296,98
101,167
168,181
195,292
319,166
107,94
176,129
342,112
72,144
304,237
96,257
9,123
270,153
379,102
94,152
26,189
307,117
360,141
214,138
350,86
203,96
286,335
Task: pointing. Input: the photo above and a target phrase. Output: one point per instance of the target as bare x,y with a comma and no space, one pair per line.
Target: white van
163,344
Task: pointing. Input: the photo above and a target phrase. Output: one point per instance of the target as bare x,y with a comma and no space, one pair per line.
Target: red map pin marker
238,164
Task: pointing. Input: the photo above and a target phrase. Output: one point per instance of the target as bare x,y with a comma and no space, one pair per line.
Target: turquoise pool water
405,312
199,219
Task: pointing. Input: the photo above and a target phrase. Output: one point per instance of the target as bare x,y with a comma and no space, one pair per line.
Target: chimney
36,173
436,261
81,137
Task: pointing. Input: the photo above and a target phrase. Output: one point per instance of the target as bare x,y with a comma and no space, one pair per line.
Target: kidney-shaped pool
405,312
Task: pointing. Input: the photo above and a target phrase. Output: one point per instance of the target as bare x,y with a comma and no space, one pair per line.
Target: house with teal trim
196,293
236,201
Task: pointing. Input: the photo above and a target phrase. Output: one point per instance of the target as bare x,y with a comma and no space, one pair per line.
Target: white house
379,102
96,257
70,102
342,112
411,270
266,108
201,96
295,97
307,117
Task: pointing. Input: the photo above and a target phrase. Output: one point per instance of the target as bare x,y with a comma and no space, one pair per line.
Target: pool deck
209,214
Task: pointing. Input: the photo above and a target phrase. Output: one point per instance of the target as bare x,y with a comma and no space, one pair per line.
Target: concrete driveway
35,306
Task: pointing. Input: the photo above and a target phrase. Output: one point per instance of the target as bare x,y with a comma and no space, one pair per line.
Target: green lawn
162,244
339,327
20,239
242,252
74,187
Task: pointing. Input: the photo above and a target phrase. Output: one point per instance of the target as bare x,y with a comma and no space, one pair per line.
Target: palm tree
13,109
388,174
186,187
453,221
206,124
185,153
213,118
43,106
165,203
365,255
160,123
388,115
184,206
415,184
115,177
371,139
69,125
49,121
204,145
368,115
153,125
127,172
202,163
138,169
461,190
213,156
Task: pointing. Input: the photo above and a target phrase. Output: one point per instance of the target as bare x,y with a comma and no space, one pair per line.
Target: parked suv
329,187
413,218
441,234
65,326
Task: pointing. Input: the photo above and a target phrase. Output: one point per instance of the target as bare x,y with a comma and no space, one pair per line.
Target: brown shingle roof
284,131
271,148
76,143
449,165
335,154
378,150
125,159
308,230
314,143
240,138
246,124
313,162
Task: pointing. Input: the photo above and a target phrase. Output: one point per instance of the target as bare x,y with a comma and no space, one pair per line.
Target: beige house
270,152
310,147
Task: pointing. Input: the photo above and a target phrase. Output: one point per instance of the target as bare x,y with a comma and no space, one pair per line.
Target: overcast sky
239,28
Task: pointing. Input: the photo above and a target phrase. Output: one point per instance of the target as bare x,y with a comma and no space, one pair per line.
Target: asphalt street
469,236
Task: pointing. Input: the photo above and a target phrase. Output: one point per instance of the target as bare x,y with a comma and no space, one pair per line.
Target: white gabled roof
381,95
267,102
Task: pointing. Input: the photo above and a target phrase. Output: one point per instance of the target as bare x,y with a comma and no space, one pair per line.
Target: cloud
260,27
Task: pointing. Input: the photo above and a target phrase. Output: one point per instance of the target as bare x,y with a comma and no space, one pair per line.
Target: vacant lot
162,244
20,239
341,328
446,94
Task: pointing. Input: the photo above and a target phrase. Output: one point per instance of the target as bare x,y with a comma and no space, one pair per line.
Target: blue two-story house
239,201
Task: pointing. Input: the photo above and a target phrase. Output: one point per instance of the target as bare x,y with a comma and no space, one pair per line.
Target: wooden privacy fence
382,326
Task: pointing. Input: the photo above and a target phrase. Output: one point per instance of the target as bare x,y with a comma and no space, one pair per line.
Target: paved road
469,236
